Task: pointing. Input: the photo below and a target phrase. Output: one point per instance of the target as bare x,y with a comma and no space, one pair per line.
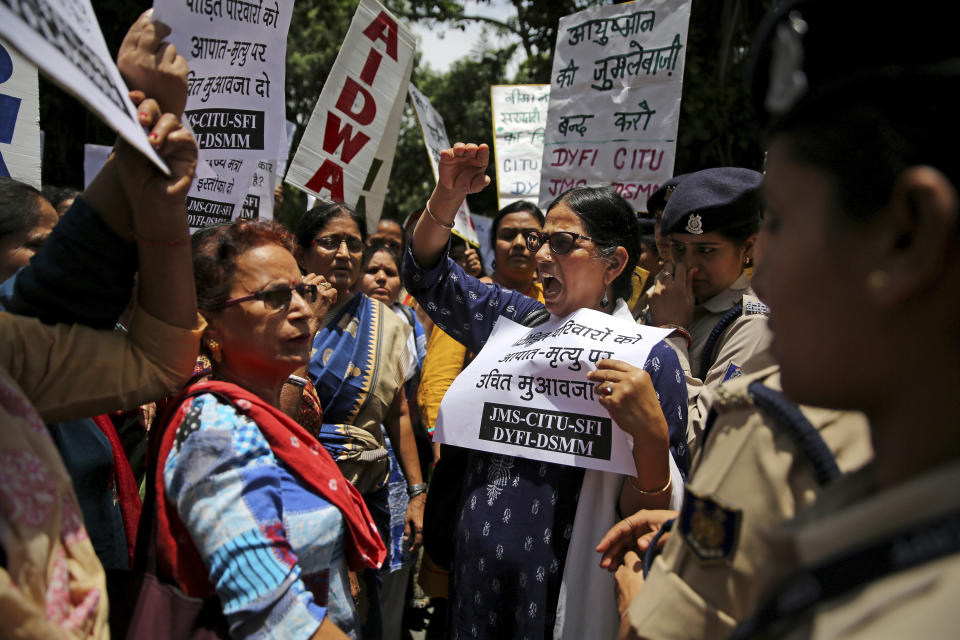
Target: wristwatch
413,490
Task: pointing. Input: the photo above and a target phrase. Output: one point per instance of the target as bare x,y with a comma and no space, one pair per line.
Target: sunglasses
279,297
561,242
332,243
376,244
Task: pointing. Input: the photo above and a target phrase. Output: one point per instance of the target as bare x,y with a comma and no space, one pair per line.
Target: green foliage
716,126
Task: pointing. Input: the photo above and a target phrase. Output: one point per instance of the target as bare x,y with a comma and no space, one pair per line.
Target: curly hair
215,251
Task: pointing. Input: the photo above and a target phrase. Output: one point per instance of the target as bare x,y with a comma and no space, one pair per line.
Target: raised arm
462,171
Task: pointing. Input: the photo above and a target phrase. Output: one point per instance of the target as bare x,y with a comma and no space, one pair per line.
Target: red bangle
682,331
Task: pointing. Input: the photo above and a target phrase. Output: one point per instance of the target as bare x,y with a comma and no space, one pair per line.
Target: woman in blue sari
358,366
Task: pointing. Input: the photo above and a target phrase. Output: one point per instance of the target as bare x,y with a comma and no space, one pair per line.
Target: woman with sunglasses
523,561
358,367
253,508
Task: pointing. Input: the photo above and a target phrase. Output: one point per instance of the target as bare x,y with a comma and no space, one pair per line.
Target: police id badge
710,528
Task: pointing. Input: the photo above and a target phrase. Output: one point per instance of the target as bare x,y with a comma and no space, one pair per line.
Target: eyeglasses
561,242
509,233
332,243
278,297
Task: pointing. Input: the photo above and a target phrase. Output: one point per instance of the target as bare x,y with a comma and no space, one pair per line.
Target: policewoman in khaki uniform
711,221
763,460
861,270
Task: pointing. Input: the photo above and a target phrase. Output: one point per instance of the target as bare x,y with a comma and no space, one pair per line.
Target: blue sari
358,363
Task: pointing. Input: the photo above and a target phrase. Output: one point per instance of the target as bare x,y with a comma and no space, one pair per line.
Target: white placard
354,127
258,203
94,157
219,191
235,87
615,99
19,117
63,38
519,116
526,393
436,139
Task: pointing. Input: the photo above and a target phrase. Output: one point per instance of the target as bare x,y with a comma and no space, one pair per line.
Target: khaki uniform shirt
919,602
751,477
747,335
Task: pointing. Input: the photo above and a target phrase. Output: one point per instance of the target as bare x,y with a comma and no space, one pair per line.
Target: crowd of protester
249,412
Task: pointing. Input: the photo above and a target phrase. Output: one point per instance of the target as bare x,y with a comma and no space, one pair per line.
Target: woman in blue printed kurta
518,530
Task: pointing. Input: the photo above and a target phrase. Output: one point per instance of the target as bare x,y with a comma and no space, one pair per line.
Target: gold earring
877,281
214,348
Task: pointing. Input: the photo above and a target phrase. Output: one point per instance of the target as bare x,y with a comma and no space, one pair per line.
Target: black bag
142,606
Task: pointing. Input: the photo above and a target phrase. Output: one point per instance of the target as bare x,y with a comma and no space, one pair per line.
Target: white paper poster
615,99
94,157
63,38
219,191
19,117
519,117
436,139
346,152
235,87
258,203
526,393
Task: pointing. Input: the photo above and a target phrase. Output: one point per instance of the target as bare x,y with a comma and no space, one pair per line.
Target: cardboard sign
526,393
63,38
94,157
347,150
435,137
19,117
519,117
235,87
615,99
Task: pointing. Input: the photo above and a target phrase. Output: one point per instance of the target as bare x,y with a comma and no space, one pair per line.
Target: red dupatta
299,451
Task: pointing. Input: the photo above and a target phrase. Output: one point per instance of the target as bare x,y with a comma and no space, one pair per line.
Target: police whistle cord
651,551
804,434
706,357
922,543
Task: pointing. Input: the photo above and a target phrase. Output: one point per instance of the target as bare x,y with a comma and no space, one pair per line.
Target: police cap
658,199
714,200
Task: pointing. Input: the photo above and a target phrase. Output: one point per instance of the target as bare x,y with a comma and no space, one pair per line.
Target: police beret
815,54
713,200
658,199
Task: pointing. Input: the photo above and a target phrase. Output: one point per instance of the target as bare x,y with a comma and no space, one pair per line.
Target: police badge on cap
713,200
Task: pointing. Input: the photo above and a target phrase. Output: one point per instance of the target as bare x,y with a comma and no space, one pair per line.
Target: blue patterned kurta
518,514
273,549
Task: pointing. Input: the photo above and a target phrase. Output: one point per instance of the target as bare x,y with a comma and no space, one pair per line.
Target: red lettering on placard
348,99
330,177
371,66
336,134
384,28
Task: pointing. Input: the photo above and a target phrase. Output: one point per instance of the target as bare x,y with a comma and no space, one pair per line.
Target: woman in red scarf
255,509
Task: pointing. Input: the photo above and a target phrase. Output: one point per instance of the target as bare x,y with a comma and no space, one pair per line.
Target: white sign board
526,393
519,117
218,191
63,38
258,203
615,99
436,139
346,152
94,157
19,117
235,87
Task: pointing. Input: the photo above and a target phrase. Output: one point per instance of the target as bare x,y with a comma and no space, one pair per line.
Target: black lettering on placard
251,207
204,213
227,128
576,434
